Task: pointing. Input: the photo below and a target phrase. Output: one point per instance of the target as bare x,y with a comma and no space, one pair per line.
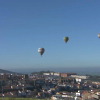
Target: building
46,73
78,80
66,79
66,74
26,76
78,76
56,74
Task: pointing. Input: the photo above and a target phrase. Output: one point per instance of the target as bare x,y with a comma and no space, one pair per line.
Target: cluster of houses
49,85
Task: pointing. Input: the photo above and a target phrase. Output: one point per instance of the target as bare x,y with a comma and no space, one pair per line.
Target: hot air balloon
99,35
41,51
66,39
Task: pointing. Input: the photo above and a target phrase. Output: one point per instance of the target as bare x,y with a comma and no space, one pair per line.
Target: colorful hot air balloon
66,39
99,35
41,51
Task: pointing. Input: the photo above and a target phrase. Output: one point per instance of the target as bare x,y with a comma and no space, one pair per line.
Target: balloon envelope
41,51
66,39
99,35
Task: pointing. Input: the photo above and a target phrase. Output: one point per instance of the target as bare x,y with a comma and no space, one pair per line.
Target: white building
46,74
78,80
78,94
56,74
78,76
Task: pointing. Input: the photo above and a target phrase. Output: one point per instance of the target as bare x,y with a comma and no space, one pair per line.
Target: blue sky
26,25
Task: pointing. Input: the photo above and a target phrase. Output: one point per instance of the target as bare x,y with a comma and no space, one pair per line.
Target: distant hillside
6,71
41,72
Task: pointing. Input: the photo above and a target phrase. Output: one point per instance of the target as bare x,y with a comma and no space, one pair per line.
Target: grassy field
21,99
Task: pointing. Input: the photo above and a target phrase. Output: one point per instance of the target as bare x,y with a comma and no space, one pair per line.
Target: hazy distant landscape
78,70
